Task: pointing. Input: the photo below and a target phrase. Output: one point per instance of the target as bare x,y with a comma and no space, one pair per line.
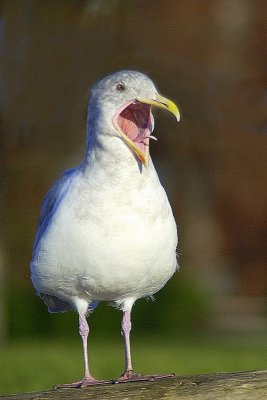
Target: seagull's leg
126,327
88,379
129,375
84,331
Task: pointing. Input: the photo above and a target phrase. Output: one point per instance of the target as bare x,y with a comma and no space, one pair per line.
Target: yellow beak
159,101
162,102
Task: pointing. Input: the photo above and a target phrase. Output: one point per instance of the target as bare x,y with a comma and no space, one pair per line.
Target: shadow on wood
240,385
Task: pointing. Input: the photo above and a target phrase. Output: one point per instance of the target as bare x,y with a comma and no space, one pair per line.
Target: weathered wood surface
240,385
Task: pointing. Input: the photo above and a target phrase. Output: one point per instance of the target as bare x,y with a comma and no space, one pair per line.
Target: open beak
134,122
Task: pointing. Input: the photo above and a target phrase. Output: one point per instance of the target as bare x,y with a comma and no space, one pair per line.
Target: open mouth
134,121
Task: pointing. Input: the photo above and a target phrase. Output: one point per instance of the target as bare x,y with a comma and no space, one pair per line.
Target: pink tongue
134,123
128,125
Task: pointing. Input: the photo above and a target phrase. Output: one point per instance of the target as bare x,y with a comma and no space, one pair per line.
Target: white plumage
106,231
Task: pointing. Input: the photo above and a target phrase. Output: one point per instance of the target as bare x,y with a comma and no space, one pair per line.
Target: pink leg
84,331
129,375
88,380
126,327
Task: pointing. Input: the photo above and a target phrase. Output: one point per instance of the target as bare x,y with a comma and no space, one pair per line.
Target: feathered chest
113,216
110,237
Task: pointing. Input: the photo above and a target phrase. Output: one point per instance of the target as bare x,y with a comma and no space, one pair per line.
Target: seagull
106,231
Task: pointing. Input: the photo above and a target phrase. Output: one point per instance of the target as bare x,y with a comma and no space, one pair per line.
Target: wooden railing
224,386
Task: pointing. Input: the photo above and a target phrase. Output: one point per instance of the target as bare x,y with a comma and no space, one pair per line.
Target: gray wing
50,203
49,206
55,304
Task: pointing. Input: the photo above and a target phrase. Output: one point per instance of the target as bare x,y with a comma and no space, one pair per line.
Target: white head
122,102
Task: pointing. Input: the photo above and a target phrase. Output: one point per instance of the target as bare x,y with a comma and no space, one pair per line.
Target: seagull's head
124,101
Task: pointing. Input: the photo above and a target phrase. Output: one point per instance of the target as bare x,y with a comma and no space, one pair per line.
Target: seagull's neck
107,154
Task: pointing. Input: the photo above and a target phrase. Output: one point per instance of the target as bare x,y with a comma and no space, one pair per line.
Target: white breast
108,242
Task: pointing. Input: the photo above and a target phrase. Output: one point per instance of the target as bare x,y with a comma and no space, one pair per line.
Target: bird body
106,231
119,248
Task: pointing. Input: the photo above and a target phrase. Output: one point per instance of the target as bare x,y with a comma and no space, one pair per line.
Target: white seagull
106,230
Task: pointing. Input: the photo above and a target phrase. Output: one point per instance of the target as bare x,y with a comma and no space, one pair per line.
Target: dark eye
120,87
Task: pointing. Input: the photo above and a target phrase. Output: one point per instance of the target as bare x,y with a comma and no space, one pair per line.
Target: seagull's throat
134,122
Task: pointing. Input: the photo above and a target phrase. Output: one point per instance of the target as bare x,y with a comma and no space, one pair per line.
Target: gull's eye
120,87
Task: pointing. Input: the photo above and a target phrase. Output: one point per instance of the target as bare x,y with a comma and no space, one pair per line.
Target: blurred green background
210,58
